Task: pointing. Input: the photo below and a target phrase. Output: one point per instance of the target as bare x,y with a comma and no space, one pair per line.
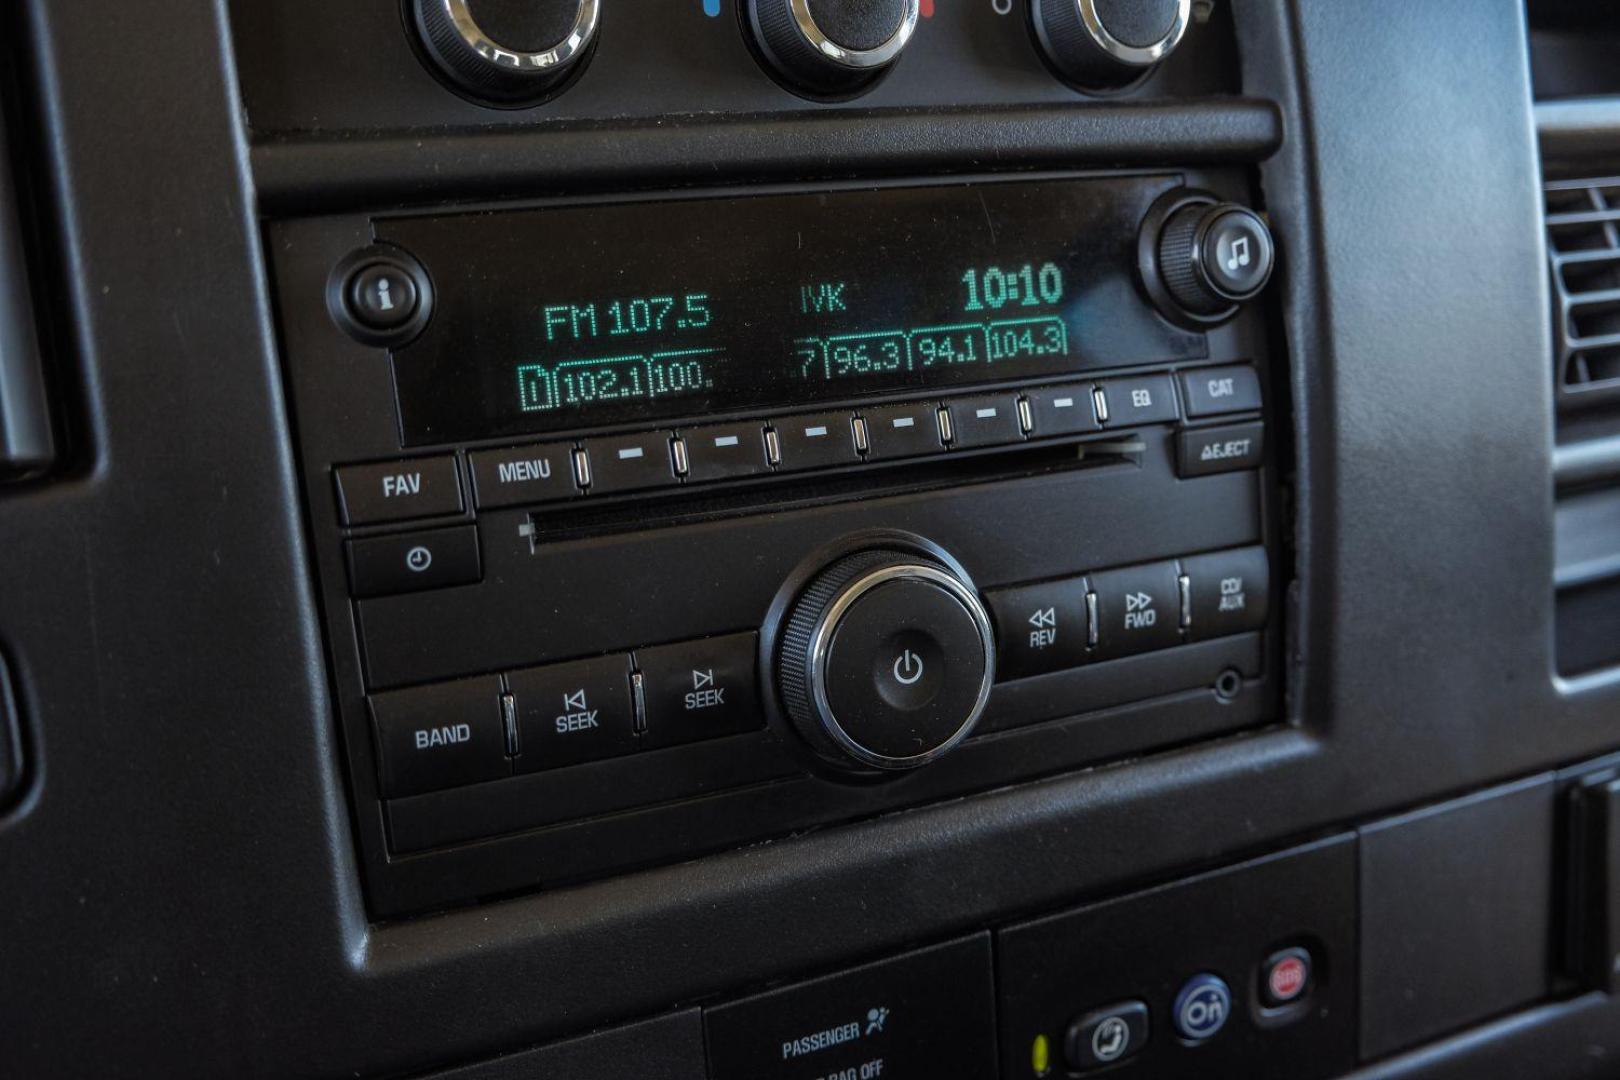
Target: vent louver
1583,245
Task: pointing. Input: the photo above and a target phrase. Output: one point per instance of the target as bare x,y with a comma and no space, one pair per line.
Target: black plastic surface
1456,910
27,438
192,873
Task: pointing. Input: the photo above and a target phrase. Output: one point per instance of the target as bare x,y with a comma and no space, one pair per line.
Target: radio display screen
557,320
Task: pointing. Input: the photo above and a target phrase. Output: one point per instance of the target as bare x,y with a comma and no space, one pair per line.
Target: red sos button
1285,977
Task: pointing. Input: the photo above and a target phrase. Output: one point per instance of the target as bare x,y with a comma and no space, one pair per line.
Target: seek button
699,689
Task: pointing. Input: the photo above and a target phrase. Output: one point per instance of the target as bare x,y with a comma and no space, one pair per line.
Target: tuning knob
1201,258
886,661
830,47
1108,44
507,53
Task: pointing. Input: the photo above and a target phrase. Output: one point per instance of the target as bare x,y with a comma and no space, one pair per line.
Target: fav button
412,562
1103,1036
573,713
699,689
398,490
1040,628
1138,609
435,737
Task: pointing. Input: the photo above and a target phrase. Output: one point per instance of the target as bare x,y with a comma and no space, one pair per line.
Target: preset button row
474,730
1110,614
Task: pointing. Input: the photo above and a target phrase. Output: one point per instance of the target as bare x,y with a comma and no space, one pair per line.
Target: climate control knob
508,53
886,661
1108,44
830,47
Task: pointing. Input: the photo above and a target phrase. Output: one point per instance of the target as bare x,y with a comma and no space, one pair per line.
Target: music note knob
1201,257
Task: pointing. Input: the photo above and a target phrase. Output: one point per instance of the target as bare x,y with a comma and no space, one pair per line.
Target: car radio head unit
652,527
558,319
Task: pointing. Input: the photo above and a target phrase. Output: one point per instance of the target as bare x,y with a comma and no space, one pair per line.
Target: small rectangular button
985,421
398,490
629,462
700,689
1228,591
523,474
573,713
1220,390
928,1015
1205,451
816,442
1041,628
725,452
1139,399
435,737
1062,410
898,431
413,562
1138,609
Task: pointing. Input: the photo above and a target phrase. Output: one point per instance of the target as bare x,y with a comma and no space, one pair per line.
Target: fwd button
1138,609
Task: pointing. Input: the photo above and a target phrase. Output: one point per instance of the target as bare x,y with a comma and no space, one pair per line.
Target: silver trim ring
859,59
577,38
1134,55
821,641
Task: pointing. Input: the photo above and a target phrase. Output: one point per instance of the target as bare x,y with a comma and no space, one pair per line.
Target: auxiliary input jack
1228,684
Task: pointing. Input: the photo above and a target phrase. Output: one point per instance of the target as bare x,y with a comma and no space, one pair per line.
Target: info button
927,1015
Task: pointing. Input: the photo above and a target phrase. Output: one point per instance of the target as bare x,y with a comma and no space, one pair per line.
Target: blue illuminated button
1140,399
1201,1008
898,431
573,713
725,452
1061,410
985,421
815,442
629,463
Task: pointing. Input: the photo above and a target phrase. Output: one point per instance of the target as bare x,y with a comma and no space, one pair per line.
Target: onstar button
1202,1007
699,689
442,736
1285,977
928,1015
572,713
1040,628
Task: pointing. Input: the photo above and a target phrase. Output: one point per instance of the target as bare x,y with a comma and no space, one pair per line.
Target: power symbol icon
908,668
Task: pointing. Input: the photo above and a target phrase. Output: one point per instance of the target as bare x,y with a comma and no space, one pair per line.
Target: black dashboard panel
227,867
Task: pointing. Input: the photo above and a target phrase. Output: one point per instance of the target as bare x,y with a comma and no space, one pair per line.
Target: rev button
435,737
1040,628
699,689
573,713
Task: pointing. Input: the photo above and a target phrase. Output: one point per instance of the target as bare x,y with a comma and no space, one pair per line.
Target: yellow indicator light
1040,1056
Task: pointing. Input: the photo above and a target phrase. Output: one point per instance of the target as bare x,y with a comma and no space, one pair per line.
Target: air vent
1583,244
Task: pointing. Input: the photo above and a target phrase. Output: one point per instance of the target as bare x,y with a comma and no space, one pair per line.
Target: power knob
1108,44
830,47
1201,258
886,661
507,53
